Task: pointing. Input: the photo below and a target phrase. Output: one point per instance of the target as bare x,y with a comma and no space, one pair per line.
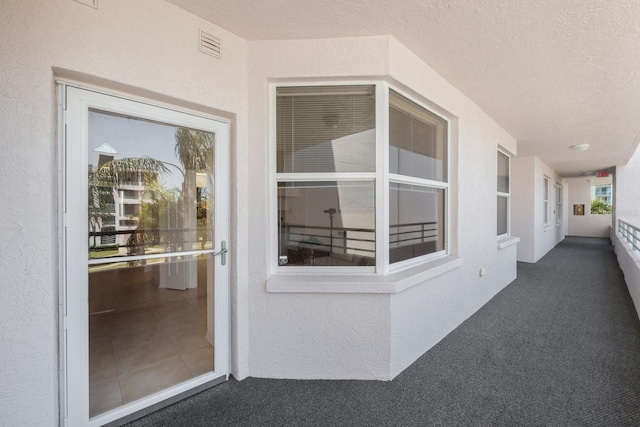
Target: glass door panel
144,337
150,317
145,298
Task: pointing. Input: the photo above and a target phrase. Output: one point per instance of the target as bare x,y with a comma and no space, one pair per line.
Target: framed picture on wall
578,209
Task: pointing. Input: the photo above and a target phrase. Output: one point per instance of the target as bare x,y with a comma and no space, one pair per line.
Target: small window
503,194
558,188
545,200
601,199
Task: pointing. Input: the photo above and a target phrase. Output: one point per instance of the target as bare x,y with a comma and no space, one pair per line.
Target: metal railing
354,240
630,233
140,240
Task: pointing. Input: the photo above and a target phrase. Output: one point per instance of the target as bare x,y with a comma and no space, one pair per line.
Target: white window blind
325,129
416,140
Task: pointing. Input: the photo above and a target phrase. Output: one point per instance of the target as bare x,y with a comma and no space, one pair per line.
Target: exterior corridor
559,346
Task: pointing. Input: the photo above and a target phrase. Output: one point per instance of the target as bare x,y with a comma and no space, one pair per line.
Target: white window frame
545,200
595,196
558,188
380,177
506,195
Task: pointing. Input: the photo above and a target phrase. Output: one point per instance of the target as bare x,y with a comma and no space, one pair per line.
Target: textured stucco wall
424,314
144,48
546,237
627,191
399,327
587,225
629,261
523,205
527,214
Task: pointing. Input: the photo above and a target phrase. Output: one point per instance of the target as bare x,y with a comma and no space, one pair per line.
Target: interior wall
588,225
156,57
385,332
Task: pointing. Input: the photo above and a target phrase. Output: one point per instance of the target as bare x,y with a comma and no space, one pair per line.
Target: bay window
350,196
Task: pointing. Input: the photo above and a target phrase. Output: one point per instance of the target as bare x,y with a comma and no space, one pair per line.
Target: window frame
506,195
545,200
380,177
558,188
596,196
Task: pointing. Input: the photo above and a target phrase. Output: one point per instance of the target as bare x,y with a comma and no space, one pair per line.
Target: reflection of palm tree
193,148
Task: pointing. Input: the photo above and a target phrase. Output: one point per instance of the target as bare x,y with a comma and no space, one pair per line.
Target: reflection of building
122,211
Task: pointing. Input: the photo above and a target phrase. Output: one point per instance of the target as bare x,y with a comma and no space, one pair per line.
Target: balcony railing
630,233
307,241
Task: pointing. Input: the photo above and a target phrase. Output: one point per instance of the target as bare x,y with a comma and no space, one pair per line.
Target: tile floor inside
143,339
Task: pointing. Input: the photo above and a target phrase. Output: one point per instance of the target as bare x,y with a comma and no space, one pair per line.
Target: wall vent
209,44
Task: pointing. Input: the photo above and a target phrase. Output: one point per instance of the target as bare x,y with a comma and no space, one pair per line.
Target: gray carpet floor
560,346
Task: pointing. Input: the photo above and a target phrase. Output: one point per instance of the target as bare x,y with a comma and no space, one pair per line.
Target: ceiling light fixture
580,147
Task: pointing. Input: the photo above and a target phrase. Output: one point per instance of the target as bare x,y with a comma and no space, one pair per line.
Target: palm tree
194,150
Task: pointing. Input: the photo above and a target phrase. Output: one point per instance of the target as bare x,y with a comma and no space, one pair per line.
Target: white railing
630,233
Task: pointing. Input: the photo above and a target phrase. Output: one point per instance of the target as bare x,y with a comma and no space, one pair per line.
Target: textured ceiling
553,73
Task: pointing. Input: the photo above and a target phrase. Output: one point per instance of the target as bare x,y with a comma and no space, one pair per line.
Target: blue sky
135,138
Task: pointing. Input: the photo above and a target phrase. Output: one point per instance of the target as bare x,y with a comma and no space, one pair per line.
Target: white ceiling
553,73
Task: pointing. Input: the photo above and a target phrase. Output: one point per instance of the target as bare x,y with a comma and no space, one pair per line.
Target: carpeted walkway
560,346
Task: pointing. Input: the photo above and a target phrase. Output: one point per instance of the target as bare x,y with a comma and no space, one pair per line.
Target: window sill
548,227
505,242
363,283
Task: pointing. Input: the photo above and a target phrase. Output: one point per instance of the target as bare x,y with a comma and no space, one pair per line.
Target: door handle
222,252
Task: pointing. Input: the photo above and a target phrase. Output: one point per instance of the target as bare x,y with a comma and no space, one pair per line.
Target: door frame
73,276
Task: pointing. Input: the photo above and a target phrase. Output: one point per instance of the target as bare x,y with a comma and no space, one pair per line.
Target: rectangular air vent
209,44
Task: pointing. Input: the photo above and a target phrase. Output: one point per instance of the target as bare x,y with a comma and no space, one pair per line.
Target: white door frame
74,103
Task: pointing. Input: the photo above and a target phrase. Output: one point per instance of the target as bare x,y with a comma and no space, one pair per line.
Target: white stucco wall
360,334
587,225
523,205
143,48
527,204
629,261
626,191
547,236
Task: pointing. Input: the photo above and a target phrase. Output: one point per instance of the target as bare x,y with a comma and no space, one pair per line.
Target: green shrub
600,207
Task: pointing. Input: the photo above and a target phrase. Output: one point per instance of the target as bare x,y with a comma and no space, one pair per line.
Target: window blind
325,129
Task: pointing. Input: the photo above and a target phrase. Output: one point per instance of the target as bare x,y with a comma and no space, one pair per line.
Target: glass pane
503,215
325,129
147,332
326,223
417,221
417,140
149,185
503,173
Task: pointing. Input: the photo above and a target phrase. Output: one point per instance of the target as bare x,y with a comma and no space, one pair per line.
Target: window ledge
505,242
548,227
362,284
